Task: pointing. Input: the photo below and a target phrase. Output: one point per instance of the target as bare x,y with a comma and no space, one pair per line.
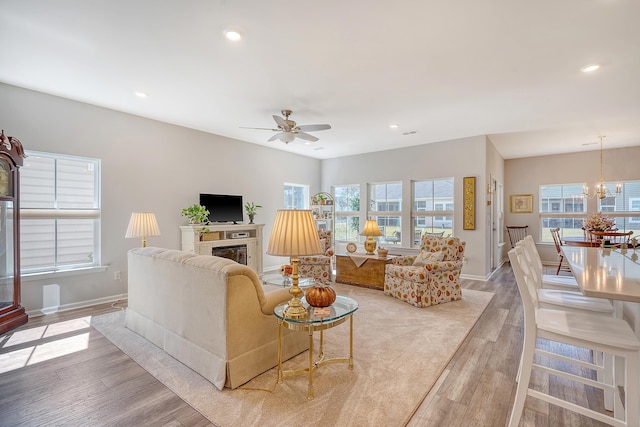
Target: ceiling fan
288,130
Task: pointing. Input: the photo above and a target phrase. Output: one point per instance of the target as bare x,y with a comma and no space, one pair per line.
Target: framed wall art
469,202
521,203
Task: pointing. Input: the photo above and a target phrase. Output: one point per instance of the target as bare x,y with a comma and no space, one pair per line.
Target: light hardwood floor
100,385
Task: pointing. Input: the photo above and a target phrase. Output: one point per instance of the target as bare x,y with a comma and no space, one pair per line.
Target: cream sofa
210,313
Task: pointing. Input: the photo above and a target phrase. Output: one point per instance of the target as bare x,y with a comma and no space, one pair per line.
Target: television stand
221,235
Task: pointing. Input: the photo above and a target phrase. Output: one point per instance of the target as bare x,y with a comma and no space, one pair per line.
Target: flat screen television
223,207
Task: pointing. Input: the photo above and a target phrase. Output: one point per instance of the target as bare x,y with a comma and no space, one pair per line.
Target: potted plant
251,209
196,214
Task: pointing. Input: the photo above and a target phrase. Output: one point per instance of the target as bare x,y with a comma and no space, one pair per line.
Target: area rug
399,353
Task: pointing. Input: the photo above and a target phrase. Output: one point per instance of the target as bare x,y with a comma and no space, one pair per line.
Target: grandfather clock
12,314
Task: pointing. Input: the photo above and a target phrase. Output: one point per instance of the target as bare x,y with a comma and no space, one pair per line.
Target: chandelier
601,190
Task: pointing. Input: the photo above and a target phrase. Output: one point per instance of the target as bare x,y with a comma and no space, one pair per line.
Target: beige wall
146,166
457,159
524,176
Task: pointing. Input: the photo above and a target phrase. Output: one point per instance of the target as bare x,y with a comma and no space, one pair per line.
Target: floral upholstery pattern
318,266
436,282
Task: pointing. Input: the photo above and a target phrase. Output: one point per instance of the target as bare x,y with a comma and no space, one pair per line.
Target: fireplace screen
237,253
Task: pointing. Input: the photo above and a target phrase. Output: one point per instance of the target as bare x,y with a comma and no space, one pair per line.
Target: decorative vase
251,218
320,295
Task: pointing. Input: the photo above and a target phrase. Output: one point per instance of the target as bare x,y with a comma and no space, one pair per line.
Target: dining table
580,241
612,273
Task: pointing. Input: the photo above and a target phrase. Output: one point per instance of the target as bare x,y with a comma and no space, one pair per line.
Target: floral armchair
432,277
318,266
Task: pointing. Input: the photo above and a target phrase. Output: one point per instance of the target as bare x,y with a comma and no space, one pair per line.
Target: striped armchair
430,278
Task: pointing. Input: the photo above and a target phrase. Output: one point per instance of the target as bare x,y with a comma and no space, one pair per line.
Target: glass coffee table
285,281
341,310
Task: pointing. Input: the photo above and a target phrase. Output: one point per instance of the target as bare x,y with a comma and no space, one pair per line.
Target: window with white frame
347,215
433,208
296,196
59,212
624,207
385,206
634,206
562,206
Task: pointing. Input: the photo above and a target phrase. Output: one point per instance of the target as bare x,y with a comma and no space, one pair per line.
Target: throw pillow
323,244
426,257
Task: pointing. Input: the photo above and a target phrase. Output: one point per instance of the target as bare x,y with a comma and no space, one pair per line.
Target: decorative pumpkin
320,295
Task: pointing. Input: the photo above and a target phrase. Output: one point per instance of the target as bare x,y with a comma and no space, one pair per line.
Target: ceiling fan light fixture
287,137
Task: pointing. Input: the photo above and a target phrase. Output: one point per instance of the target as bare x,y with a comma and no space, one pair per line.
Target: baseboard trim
76,305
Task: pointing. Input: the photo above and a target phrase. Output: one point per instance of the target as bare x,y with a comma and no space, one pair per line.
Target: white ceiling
445,69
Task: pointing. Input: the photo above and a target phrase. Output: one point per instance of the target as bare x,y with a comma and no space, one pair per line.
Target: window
296,196
433,208
562,206
385,207
634,206
59,212
626,206
347,215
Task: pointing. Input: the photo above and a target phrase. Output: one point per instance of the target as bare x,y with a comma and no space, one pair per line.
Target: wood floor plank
98,385
468,369
441,412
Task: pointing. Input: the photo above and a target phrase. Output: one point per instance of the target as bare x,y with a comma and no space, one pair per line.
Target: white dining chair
605,334
574,301
559,298
550,281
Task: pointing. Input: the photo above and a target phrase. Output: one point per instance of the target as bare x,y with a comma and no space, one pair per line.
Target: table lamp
294,234
142,224
370,229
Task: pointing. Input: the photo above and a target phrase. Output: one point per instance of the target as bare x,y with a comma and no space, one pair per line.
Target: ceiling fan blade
309,128
306,136
271,129
274,137
280,121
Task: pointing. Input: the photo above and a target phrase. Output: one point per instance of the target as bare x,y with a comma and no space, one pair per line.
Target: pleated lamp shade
294,233
142,225
371,228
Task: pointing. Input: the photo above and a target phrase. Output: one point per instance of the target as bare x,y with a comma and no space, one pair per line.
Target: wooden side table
370,274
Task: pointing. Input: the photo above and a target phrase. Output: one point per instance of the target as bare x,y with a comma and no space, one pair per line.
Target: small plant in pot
196,214
251,209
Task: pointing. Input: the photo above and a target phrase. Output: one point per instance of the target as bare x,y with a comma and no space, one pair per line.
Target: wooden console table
370,274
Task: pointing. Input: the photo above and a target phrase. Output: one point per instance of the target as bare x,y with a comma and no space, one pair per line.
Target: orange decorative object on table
320,295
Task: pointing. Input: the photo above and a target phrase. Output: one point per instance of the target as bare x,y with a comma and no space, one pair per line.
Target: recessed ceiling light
590,68
233,35
141,94
394,125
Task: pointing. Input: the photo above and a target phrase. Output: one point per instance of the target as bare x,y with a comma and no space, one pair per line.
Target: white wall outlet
116,275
